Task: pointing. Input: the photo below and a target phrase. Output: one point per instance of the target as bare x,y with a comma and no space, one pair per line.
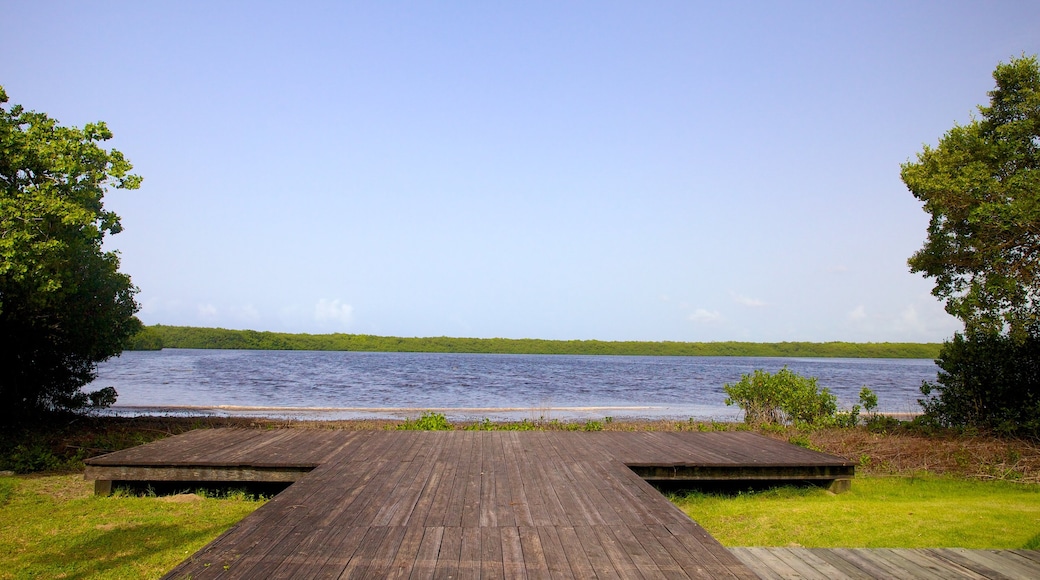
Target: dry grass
905,453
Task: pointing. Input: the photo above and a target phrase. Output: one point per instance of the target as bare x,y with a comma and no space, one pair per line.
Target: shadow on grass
142,551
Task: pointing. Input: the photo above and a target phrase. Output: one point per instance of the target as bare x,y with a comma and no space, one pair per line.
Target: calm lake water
343,385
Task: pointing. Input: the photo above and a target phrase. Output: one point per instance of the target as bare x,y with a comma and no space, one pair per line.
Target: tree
64,305
981,186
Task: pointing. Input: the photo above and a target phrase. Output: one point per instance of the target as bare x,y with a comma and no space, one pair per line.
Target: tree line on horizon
162,336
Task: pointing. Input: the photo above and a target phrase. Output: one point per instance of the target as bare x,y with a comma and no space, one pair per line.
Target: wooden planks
935,564
460,504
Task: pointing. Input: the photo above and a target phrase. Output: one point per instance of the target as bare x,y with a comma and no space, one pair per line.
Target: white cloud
207,310
909,320
750,302
702,316
248,313
858,313
332,311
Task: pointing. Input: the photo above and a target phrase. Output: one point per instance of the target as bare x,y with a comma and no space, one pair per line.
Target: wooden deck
862,564
464,504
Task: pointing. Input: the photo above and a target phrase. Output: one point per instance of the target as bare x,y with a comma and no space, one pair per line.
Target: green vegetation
879,512
428,421
53,527
981,186
148,338
161,336
64,305
988,381
787,398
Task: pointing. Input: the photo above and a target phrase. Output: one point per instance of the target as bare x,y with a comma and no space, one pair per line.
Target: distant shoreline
161,336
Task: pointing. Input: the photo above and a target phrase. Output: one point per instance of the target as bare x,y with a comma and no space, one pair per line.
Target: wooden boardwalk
862,564
375,504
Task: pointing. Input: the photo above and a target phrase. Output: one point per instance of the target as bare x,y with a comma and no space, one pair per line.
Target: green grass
53,527
879,512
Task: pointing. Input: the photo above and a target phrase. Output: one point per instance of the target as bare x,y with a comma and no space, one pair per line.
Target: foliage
486,424
781,398
428,421
878,512
220,338
32,457
868,400
64,306
981,186
148,338
987,381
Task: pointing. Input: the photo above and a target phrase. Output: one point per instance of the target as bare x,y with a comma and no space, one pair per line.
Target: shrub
988,381
428,421
782,398
32,457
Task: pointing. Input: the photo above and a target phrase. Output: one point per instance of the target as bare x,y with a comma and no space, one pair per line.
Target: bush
988,381
782,398
428,421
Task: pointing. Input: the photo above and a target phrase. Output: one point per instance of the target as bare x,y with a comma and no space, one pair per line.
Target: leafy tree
981,186
64,306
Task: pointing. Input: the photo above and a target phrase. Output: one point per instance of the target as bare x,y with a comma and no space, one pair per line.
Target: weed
484,424
772,428
428,421
802,441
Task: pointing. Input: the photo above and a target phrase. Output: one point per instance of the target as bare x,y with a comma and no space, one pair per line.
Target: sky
684,171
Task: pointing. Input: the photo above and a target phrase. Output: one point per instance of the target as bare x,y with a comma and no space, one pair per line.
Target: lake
350,385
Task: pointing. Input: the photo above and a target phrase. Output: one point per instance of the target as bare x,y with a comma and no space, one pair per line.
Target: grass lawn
53,527
879,512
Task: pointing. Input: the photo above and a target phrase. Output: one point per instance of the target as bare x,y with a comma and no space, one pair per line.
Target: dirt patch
181,498
64,487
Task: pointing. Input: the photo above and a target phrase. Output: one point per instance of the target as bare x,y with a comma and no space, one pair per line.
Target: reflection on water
308,384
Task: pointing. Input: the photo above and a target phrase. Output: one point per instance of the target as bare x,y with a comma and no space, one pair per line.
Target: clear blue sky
568,170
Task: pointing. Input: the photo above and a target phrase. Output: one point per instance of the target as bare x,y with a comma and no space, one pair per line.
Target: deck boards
460,504
861,564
